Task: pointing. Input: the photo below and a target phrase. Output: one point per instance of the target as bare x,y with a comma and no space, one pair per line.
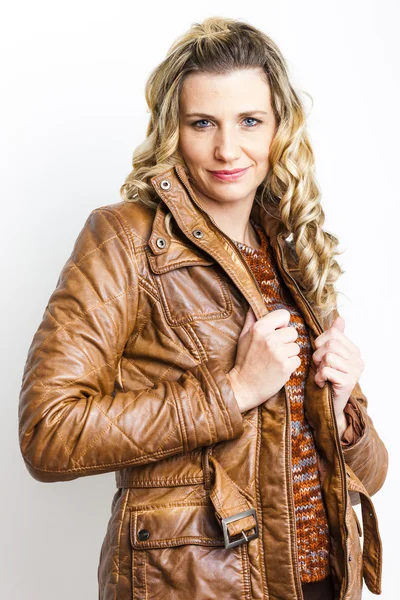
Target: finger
333,360
339,323
333,333
334,346
273,320
336,377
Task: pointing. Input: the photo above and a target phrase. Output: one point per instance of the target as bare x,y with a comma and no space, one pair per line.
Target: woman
193,346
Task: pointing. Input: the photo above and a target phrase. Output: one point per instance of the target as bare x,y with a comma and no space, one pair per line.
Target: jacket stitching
105,307
196,341
221,259
196,443
74,381
146,380
157,482
67,450
128,230
149,289
220,400
110,425
138,330
128,462
262,565
180,415
210,383
212,429
222,313
66,273
201,262
119,541
171,433
191,343
207,411
113,423
94,371
221,332
79,318
127,247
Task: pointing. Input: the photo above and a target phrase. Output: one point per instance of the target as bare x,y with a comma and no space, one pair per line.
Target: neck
233,218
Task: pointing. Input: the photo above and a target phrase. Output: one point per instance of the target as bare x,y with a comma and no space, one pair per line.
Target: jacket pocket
190,288
178,552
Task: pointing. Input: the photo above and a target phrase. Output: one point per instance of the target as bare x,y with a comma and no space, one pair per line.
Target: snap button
161,243
143,534
350,558
198,233
165,184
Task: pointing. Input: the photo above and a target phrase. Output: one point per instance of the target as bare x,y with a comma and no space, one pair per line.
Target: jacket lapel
174,188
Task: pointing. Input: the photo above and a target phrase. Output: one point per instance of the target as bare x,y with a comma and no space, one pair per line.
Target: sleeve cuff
227,395
356,424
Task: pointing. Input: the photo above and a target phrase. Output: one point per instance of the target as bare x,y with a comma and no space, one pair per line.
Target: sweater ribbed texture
312,530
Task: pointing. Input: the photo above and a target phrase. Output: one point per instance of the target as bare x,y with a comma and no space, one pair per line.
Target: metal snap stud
161,243
165,184
143,534
198,233
350,558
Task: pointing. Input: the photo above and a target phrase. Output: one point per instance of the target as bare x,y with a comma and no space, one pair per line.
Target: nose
227,146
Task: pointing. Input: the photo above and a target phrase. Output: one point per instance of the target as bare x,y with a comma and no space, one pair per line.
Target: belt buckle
244,538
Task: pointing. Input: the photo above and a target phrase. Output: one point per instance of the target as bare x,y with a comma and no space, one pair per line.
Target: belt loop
206,451
232,507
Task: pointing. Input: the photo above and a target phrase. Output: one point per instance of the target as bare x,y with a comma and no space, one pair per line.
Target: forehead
234,89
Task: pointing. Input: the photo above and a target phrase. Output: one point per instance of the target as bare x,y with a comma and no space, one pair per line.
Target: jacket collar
178,197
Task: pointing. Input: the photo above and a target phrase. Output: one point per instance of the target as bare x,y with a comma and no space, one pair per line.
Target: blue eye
251,119
201,121
197,126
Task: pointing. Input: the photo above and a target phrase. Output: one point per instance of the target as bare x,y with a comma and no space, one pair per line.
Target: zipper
341,459
227,238
291,501
321,330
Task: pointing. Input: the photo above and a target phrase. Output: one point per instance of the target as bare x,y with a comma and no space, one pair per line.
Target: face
226,122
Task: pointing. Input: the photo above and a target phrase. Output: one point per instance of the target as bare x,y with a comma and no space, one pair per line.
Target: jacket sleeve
363,449
368,456
72,423
355,423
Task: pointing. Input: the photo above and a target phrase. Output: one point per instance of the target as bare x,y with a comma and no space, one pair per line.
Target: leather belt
372,542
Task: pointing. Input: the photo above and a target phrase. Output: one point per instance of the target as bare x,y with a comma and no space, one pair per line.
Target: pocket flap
178,255
175,525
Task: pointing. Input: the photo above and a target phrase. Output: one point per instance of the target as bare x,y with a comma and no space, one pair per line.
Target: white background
72,112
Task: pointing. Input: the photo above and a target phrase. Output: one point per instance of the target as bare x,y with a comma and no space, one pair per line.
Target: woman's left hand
338,360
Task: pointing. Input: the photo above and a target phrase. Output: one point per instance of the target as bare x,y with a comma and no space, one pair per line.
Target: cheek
264,147
192,148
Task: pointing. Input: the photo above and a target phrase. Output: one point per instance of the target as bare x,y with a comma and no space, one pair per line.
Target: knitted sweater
311,521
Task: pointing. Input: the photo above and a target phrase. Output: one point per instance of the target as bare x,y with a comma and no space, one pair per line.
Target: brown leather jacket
127,373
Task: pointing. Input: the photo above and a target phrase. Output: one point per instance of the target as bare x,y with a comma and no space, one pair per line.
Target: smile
230,175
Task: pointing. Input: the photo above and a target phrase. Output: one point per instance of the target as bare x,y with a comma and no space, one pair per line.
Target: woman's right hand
267,355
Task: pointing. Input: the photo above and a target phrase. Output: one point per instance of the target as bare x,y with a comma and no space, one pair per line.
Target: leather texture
127,373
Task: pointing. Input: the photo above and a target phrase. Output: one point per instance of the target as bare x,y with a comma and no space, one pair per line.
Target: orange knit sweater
311,522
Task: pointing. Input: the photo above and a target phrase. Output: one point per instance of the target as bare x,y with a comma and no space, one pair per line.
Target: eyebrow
242,114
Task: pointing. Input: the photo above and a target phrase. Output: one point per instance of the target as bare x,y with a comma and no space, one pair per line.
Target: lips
229,172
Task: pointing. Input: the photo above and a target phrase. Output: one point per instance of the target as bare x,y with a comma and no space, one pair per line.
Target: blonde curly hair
289,192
